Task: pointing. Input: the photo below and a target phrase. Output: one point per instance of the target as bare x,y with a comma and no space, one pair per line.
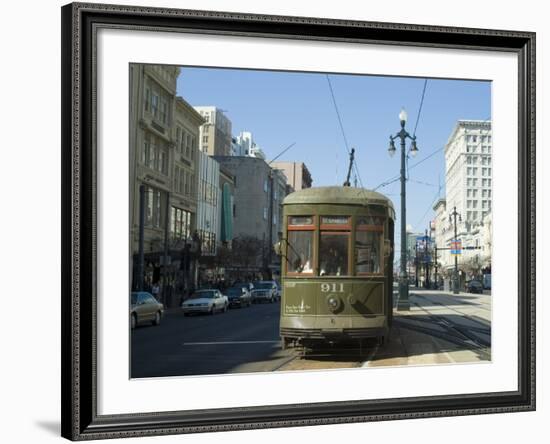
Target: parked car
279,290
209,300
264,291
144,307
238,296
474,287
487,281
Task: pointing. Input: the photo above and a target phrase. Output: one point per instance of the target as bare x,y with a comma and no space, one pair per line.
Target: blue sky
281,108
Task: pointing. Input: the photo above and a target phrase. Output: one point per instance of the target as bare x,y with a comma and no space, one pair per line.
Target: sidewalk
424,334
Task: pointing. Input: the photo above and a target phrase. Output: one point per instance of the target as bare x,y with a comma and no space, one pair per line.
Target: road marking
230,342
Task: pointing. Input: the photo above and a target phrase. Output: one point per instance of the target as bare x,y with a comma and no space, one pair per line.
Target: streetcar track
450,326
461,313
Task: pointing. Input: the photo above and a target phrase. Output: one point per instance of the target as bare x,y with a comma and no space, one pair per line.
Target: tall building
164,134
215,133
208,211
468,169
297,175
468,181
246,146
258,195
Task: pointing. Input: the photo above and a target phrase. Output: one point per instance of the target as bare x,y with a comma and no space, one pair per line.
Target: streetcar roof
337,195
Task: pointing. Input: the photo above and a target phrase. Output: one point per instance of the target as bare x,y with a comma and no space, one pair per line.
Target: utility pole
141,258
165,255
453,216
403,303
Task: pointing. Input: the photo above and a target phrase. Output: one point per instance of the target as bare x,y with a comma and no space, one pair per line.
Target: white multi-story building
468,169
468,183
245,146
215,133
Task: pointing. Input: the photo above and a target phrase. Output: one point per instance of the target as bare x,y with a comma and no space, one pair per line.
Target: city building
468,169
246,146
297,175
257,205
468,183
164,134
227,200
215,133
208,208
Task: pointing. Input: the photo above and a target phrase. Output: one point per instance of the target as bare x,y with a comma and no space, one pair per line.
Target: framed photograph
242,248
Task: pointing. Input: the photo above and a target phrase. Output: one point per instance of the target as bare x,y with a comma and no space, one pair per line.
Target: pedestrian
155,290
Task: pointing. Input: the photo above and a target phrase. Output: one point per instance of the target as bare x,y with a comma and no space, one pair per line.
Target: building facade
164,134
257,208
208,208
468,180
246,146
297,175
215,133
227,200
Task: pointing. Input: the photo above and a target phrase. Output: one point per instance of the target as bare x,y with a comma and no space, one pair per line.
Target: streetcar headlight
333,303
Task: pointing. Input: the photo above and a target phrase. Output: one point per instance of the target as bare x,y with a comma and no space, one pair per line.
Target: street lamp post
452,217
403,303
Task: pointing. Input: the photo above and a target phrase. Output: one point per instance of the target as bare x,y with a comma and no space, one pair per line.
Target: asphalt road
440,328
242,340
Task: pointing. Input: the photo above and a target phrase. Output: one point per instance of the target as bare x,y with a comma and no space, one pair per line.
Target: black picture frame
80,420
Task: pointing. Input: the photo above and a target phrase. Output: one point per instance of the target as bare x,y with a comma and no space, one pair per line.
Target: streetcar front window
300,252
333,254
367,252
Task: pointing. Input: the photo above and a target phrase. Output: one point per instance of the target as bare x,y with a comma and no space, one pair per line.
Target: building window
180,225
147,98
154,104
163,111
153,204
265,213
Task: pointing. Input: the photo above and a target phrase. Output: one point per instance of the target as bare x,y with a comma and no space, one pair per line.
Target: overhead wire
342,129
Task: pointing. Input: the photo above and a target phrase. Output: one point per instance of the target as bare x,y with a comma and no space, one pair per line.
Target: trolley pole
403,302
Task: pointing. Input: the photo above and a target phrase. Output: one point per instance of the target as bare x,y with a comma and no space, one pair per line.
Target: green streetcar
337,266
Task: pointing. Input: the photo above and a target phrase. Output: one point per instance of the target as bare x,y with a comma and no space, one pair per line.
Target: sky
281,108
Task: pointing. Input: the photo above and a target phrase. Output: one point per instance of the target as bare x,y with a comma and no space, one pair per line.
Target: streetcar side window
300,251
333,254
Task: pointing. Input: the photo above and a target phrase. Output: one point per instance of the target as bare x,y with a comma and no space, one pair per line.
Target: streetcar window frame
297,228
348,255
373,228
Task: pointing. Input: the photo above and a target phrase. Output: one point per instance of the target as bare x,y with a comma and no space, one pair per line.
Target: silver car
144,307
205,301
264,291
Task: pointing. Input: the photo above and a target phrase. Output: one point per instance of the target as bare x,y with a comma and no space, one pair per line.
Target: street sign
456,247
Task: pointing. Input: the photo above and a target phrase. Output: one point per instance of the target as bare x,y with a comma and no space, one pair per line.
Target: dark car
474,287
238,296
